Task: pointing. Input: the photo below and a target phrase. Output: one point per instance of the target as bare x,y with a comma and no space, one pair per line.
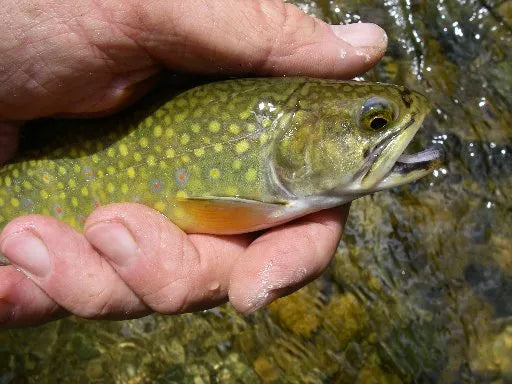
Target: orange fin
227,215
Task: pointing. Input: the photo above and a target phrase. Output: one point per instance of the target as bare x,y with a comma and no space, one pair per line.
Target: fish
227,157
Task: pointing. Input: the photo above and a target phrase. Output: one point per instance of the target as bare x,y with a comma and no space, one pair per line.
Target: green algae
420,287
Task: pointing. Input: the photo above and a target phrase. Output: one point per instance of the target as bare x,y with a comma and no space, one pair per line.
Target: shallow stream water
420,290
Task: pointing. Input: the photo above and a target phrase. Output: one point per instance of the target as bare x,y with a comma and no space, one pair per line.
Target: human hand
82,57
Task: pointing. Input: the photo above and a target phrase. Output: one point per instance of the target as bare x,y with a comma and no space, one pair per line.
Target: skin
86,58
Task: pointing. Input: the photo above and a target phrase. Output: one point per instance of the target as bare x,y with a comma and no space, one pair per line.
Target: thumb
268,37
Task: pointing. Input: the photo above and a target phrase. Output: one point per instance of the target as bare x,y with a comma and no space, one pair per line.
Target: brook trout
227,157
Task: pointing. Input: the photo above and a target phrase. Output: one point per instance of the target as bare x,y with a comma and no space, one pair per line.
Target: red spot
59,210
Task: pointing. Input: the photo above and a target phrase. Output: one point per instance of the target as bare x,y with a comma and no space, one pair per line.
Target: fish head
346,139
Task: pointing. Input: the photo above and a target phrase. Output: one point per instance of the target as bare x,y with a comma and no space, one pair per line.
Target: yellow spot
99,173
245,115
149,121
181,194
62,170
217,147
251,127
170,153
237,164
110,188
159,206
184,139
143,142
159,113
250,175
84,191
214,126
95,158
15,202
214,173
62,195
15,173
242,146
231,191
137,156
151,160
206,140
185,158
7,181
124,188
111,170
263,138
74,202
76,168
60,185
234,129
163,164
72,183
169,132
111,152
167,119
44,194
123,149
27,185
266,122
196,128
199,152
17,189
179,213
32,163
179,117
131,172
181,103
157,132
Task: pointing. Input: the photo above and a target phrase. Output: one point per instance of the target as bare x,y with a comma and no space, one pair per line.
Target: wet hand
84,58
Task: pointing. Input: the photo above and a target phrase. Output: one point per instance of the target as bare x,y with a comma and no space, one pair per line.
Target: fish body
227,157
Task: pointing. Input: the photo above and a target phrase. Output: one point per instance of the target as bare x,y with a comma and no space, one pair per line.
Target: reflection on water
421,286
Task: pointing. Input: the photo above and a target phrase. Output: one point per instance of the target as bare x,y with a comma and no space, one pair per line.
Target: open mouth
409,168
388,166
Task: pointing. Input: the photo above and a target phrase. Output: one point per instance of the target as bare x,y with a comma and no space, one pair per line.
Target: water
420,290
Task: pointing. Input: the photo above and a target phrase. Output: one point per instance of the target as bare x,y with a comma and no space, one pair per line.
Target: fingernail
114,241
361,35
27,251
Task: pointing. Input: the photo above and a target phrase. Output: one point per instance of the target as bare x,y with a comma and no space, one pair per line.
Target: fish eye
377,113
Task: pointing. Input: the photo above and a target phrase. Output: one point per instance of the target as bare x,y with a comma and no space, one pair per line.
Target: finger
170,271
62,263
22,303
285,258
251,36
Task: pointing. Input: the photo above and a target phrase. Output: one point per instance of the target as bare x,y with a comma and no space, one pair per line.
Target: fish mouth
388,166
410,167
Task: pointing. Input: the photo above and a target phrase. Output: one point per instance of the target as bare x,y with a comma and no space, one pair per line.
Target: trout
227,157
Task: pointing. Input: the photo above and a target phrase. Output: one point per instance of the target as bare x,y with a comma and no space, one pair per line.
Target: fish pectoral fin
227,215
